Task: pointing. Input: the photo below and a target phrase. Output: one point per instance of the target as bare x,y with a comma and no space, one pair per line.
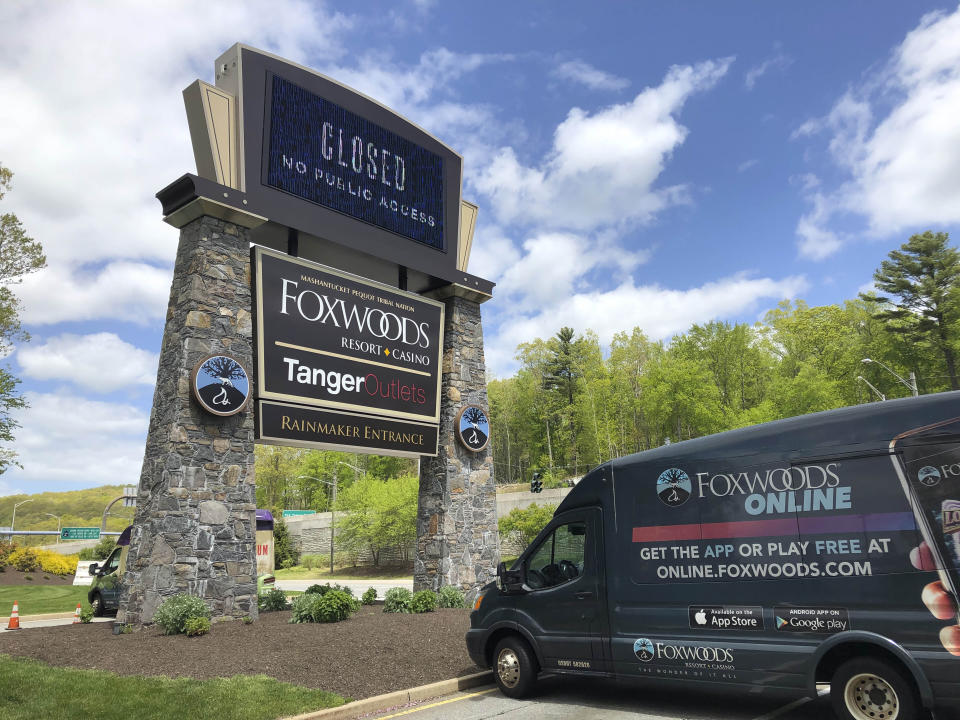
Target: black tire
515,667
96,603
868,688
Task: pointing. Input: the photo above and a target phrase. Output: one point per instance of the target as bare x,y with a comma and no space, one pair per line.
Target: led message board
330,339
323,153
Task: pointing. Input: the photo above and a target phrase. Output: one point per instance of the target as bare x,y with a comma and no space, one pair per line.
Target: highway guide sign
80,533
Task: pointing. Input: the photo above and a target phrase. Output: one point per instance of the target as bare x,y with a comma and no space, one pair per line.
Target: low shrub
273,599
196,626
327,587
86,615
334,606
397,600
100,551
369,596
450,597
54,562
6,547
312,562
301,609
24,559
247,620
174,612
423,601
28,577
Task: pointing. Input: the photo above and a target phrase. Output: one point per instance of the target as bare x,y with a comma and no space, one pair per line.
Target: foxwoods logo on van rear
800,488
691,656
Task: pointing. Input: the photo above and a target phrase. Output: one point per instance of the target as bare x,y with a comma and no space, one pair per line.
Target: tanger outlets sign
337,342
326,154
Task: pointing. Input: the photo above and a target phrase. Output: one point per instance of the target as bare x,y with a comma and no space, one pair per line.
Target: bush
247,620
174,612
86,615
523,525
100,551
273,599
312,562
54,562
196,626
24,559
327,587
301,609
334,606
369,596
284,553
5,549
397,600
449,597
423,601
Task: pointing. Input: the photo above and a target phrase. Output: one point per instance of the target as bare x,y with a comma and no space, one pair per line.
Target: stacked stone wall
194,526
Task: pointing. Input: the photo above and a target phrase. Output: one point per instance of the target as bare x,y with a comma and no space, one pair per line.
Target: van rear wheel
514,667
868,688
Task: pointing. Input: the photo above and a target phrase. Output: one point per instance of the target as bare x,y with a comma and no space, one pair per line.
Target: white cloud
747,164
93,122
817,241
897,138
101,362
603,166
71,440
129,291
584,73
777,62
660,312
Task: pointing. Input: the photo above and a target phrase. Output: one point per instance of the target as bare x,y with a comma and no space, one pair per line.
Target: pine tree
922,279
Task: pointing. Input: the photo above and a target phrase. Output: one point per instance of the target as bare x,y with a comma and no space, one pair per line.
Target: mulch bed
11,576
371,653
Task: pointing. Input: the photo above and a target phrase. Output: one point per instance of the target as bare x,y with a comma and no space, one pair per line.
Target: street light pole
870,385
911,383
333,507
14,518
58,524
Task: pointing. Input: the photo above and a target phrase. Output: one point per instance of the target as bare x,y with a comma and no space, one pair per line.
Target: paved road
358,586
569,698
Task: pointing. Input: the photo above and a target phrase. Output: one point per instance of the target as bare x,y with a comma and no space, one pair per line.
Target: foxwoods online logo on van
690,656
674,487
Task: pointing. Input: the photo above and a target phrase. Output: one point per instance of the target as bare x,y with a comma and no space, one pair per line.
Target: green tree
20,255
523,525
921,282
285,555
379,515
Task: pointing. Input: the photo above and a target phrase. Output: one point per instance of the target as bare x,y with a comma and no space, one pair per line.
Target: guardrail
47,532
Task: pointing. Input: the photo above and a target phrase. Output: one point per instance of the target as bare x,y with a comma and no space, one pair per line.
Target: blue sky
636,164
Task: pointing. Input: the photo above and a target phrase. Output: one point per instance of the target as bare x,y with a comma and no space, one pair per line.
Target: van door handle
585,595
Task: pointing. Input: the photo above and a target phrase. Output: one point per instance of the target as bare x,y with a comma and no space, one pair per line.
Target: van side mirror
93,568
509,581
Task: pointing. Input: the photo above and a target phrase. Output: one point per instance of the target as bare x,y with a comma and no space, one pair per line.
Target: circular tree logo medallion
221,385
473,428
928,476
673,487
643,649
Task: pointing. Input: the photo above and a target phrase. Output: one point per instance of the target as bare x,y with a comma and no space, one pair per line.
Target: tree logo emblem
673,487
928,476
643,649
473,428
221,385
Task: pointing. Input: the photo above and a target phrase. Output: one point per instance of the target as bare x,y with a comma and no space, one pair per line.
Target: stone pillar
194,528
457,540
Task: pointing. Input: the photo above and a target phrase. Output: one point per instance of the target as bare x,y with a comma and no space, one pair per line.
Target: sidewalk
36,621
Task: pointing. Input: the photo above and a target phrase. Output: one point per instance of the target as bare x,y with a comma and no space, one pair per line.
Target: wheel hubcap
508,667
870,697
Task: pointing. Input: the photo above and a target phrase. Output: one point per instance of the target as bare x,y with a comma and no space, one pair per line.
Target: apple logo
701,617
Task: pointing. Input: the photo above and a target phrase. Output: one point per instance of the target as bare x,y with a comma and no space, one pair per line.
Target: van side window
112,563
559,558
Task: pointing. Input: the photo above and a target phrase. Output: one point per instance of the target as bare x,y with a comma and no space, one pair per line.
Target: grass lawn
298,572
31,689
39,599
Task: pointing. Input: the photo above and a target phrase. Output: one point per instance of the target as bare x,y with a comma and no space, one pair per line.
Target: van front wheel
871,689
514,667
96,604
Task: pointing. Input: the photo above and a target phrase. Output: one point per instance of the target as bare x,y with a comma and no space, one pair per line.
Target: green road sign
80,533
291,513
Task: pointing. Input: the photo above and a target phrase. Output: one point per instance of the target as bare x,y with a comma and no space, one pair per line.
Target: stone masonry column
194,528
457,540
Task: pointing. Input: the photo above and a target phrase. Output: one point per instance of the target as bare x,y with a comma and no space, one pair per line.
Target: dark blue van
818,549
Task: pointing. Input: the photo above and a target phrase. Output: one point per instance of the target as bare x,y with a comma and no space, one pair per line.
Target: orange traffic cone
14,623
76,614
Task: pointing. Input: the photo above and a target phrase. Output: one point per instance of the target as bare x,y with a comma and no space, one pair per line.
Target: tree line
569,407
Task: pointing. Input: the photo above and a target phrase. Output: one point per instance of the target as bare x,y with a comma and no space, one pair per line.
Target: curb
399,697
47,616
